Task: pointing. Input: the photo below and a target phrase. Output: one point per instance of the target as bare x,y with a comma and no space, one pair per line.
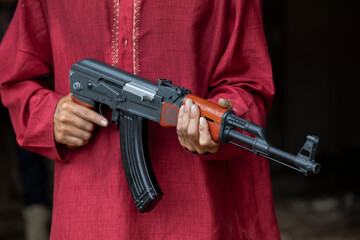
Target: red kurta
215,48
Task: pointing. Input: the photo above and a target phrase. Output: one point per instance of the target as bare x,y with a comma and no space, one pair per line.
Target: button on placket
122,41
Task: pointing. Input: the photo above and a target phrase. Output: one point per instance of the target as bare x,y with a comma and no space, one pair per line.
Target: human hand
74,124
193,130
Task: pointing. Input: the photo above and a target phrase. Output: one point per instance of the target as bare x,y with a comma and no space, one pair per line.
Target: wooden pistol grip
82,103
212,112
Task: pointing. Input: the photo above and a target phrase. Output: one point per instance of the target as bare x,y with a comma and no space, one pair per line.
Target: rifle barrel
260,147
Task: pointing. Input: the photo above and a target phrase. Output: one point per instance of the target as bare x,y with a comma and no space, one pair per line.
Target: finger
193,127
186,117
188,141
74,143
69,140
205,140
75,132
184,139
179,124
68,118
83,124
225,103
89,115
63,131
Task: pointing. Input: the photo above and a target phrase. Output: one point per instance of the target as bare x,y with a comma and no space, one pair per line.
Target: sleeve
243,73
244,69
25,55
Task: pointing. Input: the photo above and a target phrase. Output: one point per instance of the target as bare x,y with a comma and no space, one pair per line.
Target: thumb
225,103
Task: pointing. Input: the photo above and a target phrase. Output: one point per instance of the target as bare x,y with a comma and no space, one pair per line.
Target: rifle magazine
139,173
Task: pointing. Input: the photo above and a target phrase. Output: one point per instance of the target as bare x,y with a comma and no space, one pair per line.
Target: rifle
134,100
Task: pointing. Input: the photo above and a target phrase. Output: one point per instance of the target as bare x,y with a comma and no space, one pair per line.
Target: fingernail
193,108
103,123
181,111
202,120
188,102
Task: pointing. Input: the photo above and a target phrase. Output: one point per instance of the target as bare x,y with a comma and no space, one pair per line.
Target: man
217,49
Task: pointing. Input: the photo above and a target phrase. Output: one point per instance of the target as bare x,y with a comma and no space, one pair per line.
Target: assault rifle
134,100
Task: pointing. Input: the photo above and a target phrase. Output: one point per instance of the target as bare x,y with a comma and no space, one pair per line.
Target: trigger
100,109
100,106
103,111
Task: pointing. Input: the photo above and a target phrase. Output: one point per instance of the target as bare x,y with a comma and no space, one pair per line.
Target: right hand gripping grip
139,173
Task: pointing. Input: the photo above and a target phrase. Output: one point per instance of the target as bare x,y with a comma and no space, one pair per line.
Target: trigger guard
100,109
104,112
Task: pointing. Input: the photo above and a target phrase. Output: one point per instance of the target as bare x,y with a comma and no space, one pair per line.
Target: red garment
215,48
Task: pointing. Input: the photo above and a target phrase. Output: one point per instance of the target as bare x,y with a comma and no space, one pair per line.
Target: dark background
315,50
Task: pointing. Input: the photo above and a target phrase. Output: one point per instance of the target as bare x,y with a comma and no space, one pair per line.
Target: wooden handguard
212,112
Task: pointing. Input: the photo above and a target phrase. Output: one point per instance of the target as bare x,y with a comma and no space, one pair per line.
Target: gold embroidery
115,34
136,22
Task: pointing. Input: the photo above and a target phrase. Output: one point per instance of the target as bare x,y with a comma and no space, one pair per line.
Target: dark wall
315,51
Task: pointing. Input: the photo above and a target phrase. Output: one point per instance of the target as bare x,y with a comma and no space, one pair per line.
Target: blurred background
315,52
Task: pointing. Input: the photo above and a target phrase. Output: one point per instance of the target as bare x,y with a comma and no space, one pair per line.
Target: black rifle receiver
134,100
